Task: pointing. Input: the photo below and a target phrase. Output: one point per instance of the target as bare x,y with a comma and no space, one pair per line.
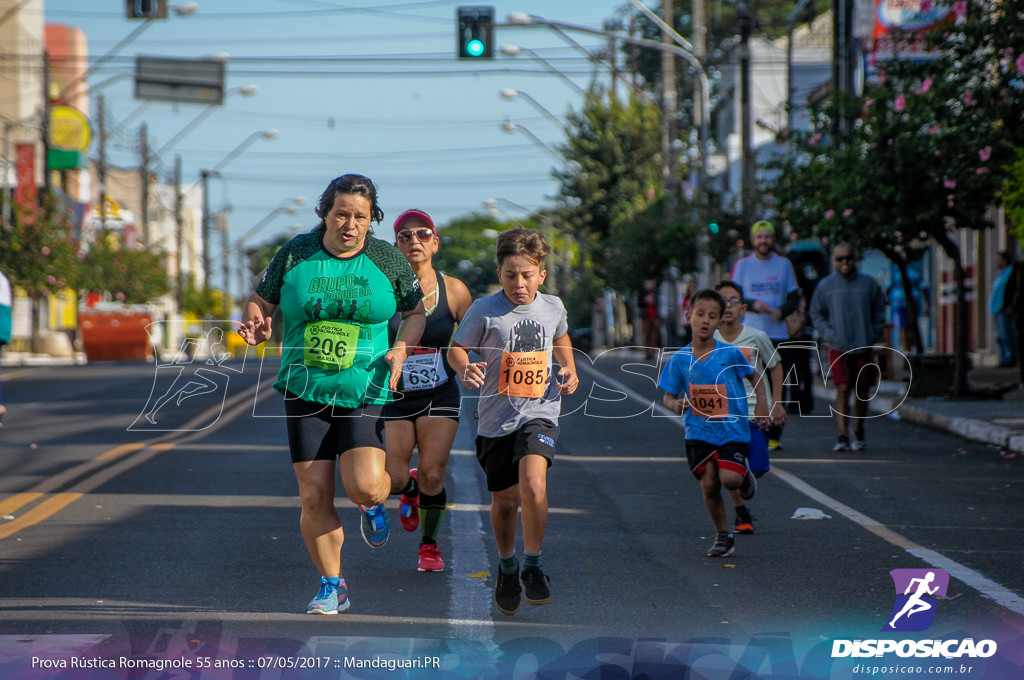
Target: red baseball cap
415,214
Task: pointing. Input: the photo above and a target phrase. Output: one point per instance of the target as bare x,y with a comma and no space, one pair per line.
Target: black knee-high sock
431,512
411,489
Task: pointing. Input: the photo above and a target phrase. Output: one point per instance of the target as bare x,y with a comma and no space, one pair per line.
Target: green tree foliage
648,244
1012,197
129,275
467,250
613,177
257,259
37,251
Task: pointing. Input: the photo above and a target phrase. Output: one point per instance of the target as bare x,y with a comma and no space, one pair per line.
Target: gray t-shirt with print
515,341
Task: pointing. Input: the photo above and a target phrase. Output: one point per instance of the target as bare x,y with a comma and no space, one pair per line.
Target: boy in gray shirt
517,332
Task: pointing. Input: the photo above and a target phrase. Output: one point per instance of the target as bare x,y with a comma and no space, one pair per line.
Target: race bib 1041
709,401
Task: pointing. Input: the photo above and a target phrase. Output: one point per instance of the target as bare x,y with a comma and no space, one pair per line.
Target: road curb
968,428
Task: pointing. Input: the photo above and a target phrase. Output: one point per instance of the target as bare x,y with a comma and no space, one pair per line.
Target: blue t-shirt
714,385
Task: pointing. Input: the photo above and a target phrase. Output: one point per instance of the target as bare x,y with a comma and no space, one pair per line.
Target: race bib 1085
524,374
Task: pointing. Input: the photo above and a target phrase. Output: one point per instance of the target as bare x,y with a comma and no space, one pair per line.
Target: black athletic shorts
440,403
320,432
500,456
729,456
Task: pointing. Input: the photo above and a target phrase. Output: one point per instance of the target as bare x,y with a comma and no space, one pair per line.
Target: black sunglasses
421,234
844,258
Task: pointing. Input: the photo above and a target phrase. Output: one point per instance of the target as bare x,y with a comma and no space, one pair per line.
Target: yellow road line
47,508
17,501
121,450
143,450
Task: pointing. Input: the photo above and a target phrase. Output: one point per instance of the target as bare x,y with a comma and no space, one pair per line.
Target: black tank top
437,334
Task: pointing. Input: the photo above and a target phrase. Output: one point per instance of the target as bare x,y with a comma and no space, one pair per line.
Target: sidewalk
999,422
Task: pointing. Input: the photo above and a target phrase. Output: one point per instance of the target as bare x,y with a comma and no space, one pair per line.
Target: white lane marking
469,599
1001,595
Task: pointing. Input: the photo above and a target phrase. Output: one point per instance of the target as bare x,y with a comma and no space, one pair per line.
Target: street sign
197,81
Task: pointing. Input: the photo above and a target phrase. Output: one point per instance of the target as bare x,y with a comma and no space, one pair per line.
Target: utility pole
634,67
144,179
669,109
844,54
746,126
101,163
179,288
204,178
44,125
225,264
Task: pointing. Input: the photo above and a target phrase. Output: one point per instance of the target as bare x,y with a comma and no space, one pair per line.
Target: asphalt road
177,534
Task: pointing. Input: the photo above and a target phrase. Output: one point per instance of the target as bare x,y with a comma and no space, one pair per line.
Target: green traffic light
713,227
475,48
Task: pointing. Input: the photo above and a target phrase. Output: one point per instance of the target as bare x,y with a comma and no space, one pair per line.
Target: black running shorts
500,456
319,432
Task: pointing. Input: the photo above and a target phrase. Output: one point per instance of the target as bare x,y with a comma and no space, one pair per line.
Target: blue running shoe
375,525
331,598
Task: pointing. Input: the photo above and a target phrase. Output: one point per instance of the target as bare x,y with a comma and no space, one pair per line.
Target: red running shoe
430,558
409,509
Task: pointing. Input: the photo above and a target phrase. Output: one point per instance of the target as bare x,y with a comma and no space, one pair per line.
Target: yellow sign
69,128
111,206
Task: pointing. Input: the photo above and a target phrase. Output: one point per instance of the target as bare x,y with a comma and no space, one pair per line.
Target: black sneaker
723,546
859,441
535,582
842,443
744,522
507,593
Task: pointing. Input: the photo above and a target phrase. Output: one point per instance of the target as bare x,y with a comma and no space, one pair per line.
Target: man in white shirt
771,293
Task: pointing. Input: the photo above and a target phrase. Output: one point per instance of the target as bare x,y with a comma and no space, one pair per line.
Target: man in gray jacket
848,313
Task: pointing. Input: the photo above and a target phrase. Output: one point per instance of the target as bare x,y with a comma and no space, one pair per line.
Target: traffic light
145,9
713,226
475,32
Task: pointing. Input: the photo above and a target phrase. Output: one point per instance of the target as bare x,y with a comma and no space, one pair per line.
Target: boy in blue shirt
704,382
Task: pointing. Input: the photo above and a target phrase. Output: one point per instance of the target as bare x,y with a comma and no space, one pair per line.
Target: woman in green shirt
336,288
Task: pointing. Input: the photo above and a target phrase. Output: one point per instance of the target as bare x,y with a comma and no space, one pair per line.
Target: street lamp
515,50
509,126
685,52
512,93
244,90
291,207
204,176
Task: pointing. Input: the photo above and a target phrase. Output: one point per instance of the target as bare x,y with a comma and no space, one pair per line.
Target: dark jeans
1020,345
797,380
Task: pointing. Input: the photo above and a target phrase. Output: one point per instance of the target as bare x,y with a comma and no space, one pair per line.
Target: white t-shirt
760,352
769,281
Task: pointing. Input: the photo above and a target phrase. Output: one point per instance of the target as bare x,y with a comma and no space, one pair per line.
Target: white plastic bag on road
809,513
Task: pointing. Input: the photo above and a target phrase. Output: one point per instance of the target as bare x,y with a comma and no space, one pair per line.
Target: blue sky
353,86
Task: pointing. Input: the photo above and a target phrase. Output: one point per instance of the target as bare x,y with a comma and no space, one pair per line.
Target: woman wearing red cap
425,413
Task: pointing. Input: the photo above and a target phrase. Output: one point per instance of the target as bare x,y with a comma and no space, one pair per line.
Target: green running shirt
336,314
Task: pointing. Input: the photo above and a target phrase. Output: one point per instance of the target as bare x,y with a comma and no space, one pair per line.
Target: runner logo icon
916,590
